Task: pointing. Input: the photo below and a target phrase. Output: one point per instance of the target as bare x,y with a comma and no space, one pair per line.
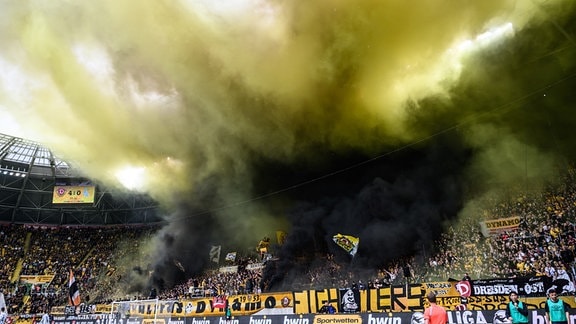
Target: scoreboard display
73,194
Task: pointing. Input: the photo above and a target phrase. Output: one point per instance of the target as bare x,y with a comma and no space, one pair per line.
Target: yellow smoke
187,89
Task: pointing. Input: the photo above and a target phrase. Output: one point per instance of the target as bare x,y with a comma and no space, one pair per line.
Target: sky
385,120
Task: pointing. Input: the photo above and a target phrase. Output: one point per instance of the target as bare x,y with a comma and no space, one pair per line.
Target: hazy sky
216,102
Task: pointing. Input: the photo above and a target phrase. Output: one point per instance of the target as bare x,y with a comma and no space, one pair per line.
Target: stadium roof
29,173
25,157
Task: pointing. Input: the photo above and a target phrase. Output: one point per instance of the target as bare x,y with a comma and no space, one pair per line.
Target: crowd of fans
45,255
542,244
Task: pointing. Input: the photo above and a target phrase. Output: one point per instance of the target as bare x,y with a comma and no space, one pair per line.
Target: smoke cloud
384,120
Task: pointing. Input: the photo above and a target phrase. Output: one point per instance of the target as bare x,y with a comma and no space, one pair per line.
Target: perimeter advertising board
454,317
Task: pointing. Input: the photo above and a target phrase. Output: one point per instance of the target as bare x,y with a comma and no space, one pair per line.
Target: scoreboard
73,194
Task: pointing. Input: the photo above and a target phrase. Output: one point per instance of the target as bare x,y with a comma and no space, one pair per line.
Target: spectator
327,308
3,315
45,317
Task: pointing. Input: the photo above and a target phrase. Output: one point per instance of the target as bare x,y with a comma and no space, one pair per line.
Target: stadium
254,160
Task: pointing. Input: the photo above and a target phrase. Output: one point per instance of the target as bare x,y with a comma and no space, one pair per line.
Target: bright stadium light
132,178
485,39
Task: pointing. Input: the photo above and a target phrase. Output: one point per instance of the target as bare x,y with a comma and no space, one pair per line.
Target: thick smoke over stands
244,117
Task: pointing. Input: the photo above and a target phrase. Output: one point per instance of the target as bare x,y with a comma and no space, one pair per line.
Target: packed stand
543,244
53,251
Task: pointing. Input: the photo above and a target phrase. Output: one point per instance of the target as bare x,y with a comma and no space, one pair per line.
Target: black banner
525,286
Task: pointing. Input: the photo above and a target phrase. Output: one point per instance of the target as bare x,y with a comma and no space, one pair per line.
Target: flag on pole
347,242
219,301
231,256
2,301
73,291
179,265
281,237
215,253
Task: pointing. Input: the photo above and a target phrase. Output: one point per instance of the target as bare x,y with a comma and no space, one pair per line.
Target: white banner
255,266
230,269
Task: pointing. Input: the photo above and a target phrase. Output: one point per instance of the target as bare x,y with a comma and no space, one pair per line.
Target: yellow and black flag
347,242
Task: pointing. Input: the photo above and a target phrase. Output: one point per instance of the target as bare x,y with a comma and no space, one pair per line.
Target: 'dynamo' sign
454,317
